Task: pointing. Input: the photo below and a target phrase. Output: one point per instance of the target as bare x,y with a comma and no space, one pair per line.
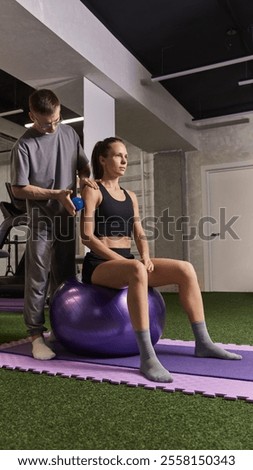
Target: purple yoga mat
176,358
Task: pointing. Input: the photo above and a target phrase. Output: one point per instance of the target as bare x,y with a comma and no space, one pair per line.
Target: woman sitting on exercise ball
109,220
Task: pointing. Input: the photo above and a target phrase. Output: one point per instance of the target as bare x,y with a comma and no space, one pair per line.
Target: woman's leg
119,274
132,273
182,273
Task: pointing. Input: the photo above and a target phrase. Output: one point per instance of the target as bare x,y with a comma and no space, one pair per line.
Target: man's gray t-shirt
49,161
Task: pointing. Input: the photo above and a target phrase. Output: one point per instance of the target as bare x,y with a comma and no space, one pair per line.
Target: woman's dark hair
43,102
101,148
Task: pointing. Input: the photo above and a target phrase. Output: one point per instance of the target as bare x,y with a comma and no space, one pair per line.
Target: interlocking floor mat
210,377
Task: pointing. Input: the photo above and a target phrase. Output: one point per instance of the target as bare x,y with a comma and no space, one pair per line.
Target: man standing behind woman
109,220
44,166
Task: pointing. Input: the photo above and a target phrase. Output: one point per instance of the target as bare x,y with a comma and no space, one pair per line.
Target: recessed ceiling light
231,32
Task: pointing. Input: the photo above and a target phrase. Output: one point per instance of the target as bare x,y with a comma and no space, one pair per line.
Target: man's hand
64,199
87,181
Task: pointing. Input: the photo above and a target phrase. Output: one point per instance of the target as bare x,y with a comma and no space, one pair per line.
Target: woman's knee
188,270
138,271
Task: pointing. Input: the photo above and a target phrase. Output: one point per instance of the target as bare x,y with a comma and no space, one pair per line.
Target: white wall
99,115
222,145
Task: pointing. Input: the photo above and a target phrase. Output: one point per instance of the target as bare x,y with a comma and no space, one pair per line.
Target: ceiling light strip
214,125
72,120
202,69
9,113
245,82
65,121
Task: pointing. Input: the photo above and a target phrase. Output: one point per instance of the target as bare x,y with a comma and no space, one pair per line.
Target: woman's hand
148,264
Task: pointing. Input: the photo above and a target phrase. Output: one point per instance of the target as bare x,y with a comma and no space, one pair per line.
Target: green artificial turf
229,317
43,412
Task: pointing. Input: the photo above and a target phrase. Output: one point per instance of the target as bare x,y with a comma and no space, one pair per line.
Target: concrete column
168,198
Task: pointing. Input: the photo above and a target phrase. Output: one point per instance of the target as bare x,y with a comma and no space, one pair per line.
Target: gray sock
204,347
150,366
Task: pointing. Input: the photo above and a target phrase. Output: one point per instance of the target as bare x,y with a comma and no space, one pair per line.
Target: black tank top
113,218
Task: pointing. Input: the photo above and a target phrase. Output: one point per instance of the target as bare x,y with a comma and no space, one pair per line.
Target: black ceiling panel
169,36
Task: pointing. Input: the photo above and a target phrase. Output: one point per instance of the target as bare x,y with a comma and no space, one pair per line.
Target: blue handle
78,203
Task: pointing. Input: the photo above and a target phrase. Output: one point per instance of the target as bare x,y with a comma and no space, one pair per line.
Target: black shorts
91,261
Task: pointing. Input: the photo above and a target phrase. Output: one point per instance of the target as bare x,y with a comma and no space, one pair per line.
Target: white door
228,230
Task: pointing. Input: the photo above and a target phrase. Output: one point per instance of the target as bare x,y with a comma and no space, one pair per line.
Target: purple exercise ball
93,320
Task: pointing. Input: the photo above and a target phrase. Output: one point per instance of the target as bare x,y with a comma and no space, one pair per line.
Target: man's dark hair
43,102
